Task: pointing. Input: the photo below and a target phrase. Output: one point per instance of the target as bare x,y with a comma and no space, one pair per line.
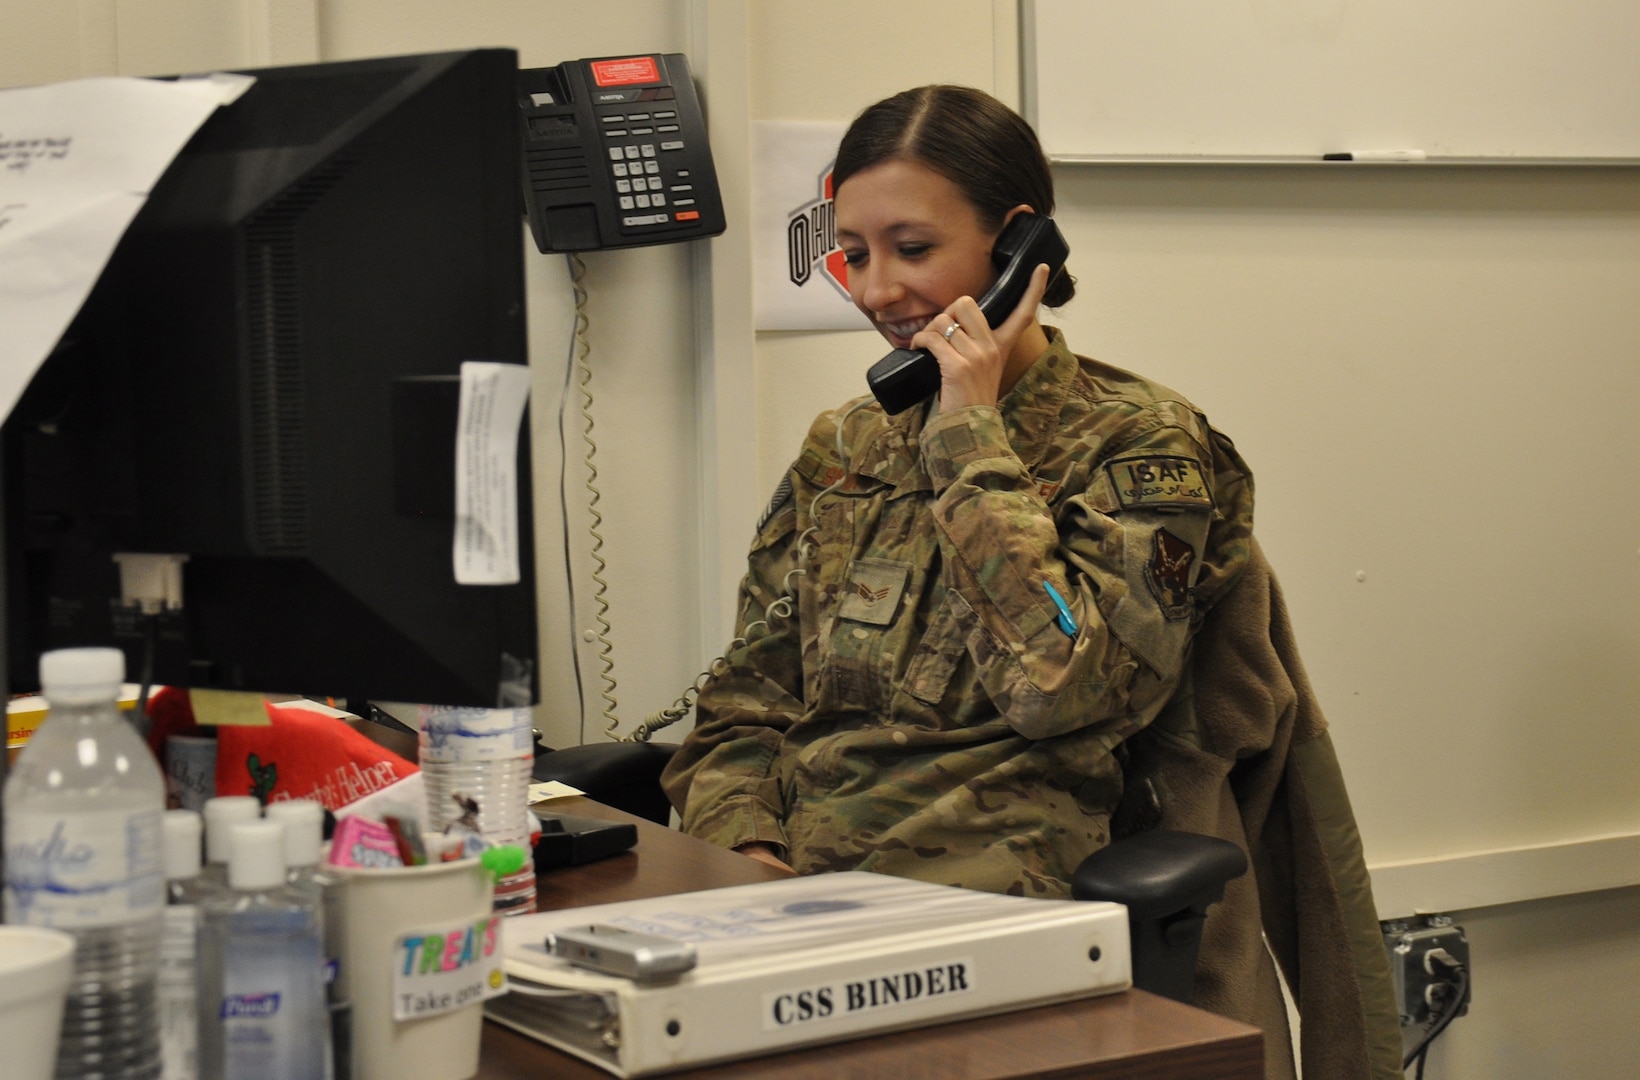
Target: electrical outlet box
1409,943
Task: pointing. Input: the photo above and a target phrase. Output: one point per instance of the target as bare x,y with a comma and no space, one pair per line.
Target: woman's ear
1022,208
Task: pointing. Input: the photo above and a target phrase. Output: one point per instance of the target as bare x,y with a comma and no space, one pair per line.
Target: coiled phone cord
779,608
577,273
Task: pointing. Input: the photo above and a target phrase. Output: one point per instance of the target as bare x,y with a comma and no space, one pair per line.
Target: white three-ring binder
806,960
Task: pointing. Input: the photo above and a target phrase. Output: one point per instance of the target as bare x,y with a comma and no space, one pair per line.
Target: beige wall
1295,310
1413,363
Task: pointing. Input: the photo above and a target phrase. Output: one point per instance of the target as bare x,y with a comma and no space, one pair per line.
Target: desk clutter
249,948
226,938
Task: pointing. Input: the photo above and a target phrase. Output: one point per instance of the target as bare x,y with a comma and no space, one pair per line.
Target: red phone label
636,69
687,215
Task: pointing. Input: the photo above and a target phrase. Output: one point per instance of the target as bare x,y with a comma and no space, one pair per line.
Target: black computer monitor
264,380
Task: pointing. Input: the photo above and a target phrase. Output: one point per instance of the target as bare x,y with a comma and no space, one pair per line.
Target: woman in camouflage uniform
922,706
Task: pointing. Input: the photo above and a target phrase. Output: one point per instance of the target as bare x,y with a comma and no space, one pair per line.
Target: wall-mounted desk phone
615,154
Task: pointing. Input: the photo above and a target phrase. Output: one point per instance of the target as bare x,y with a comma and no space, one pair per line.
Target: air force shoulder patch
1168,574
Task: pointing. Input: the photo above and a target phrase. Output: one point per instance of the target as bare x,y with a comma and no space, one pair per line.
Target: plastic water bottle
475,765
261,994
83,854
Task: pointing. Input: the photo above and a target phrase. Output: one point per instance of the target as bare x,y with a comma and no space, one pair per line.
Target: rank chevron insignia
870,595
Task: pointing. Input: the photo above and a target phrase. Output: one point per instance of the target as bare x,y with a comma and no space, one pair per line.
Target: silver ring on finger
953,328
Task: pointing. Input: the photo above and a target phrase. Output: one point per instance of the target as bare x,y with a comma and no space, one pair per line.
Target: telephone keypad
637,170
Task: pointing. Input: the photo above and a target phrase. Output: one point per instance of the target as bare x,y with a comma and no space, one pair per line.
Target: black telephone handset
907,376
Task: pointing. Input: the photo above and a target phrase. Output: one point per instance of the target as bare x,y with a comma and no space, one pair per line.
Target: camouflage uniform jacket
925,711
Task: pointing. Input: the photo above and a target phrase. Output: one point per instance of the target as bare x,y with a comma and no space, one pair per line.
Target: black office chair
625,775
1167,880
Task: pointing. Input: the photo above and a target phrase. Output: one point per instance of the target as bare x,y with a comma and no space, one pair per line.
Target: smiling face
914,244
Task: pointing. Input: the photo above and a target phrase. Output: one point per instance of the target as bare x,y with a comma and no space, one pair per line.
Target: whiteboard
1296,79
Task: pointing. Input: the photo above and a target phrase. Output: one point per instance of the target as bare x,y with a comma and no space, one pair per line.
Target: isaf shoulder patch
1159,482
1168,574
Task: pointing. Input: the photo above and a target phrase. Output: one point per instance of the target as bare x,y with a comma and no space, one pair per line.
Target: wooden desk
1134,1036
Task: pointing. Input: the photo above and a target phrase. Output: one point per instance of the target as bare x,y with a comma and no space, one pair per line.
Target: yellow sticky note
235,708
552,789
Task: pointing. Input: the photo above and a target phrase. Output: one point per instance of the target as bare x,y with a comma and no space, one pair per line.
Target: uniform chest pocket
943,646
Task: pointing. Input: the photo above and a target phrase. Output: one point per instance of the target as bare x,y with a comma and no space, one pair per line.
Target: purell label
249,1006
82,869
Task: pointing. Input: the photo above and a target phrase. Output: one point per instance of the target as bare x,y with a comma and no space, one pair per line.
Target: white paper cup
381,912
190,769
35,966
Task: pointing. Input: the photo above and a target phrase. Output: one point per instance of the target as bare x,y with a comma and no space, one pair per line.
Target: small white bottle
262,997
83,807
304,824
221,813
179,947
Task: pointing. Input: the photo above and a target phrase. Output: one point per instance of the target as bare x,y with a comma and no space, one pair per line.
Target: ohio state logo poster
800,281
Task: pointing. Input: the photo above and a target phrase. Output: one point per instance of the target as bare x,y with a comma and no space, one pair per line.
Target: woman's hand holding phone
973,357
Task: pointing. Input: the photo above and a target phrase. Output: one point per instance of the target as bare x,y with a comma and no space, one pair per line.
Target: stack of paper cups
475,764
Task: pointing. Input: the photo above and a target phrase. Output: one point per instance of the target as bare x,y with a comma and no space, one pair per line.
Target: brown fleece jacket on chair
1243,753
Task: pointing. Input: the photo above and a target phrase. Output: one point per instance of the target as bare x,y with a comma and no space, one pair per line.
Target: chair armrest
625,775
1167,880
1159,872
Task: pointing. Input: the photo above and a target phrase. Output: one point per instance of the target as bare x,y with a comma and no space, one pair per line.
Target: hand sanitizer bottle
304,822
262,996
179,947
